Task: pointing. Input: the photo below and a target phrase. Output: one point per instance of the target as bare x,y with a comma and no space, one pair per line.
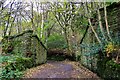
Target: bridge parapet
26,44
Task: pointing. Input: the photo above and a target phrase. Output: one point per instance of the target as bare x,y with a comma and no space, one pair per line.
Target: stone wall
89,57
25,44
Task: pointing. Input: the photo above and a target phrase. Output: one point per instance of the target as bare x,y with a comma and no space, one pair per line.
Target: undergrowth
13,66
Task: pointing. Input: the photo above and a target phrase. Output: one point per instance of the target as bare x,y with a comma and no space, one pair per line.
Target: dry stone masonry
26,44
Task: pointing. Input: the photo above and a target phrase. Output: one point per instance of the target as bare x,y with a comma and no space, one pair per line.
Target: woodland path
60,69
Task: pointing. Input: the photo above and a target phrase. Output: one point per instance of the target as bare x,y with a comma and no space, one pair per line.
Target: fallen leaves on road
60,69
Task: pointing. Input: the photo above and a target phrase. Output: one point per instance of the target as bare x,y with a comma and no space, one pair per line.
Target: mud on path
61,69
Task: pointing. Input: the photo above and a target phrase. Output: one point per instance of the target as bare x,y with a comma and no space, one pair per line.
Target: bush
14,65
112,70
56,58
56,41
108,69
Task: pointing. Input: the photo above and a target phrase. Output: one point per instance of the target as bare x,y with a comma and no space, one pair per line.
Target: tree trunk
106,22
32,20
84,35
94,31
42,23
100,24
68,43
41,34
88,13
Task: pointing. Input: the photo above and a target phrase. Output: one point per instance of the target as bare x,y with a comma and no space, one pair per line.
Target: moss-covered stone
26,44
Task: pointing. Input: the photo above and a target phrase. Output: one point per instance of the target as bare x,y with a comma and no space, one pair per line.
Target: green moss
26,44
